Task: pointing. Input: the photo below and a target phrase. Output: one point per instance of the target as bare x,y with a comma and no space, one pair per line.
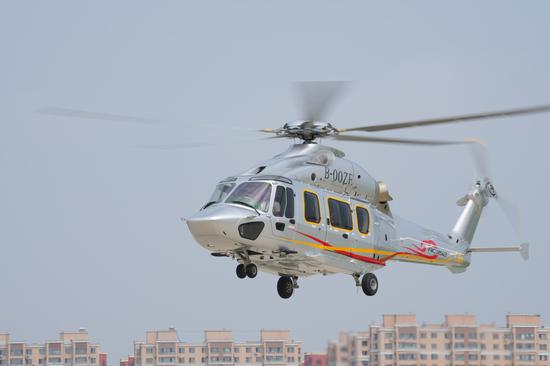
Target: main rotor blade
453,119
77,113
318,97
191,145
481,158
392,140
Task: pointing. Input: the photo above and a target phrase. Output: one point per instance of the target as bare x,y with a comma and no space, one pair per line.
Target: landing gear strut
285,286
250,270
369,284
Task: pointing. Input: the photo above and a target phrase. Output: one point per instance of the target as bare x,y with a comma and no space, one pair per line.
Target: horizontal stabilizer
523,249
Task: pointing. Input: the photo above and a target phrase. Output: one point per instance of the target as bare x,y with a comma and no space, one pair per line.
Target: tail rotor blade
512,213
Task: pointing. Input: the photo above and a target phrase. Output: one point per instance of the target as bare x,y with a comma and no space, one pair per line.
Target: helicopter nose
222,227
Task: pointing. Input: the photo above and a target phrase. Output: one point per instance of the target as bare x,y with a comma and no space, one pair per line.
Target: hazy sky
90,230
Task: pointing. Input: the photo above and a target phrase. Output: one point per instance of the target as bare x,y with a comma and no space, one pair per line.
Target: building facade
315,359
71,349
459,341
164,348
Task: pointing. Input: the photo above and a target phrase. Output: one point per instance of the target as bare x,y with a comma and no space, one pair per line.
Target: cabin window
340,214
312,212
363,220
283,204
289,213
252,194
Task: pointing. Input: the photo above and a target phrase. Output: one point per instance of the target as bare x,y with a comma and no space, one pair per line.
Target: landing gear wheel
241,271
251,270
285,287
369,284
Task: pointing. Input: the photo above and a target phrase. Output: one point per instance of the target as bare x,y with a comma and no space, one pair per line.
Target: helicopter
309,210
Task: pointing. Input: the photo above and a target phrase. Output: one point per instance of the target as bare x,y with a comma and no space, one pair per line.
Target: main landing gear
250,270
369,284
286,286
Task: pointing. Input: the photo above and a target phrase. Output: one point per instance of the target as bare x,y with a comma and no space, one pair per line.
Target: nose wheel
369,284
250,270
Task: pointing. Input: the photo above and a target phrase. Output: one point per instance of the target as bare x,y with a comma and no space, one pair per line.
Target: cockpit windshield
220,193
252,194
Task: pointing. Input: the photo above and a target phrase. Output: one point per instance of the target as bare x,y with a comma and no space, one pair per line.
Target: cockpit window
252,194
220,193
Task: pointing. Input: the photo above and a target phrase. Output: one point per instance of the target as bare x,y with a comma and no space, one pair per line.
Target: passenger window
289,203
279,204
340,214
363,220
312,212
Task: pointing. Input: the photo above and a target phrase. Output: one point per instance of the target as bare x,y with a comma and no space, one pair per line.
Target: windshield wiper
247,205
208,204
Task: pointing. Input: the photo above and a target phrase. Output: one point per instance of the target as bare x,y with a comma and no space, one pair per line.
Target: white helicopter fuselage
310,211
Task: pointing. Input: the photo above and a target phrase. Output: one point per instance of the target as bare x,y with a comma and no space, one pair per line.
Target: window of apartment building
459,345
388,356
364,343
203,349
433,335
16,352
495,336
388,345
423,335
274,350
42,351
28,361
290,349
543,358
422,346
496,357
215,350
92,349
526,357
164,350
543,347
227,358
459,335
434,345
181,349
472,335
407,356
248,359
507,357
291,359
258,350
407,335
508,336
459,357
496,346
258,359
67,360
423,356
434,356
526,336
80,359
472,357
214,359
148,360
388,335
181,360
191,349
203,359
16,361
191,359
236,349
226,349
542,336
236,360
472,345
92,360
149,350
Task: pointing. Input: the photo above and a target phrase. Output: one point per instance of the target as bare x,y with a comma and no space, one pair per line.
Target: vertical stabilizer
473,203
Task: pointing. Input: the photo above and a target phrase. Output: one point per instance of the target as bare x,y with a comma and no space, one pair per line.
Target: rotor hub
307,130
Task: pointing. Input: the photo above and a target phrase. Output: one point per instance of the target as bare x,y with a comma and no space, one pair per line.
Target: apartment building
315,359
164,348
459,341
71,349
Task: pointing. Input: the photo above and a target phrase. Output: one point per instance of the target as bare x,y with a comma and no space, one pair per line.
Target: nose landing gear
250,270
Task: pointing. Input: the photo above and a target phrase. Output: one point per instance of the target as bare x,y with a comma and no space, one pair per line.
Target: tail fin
473,203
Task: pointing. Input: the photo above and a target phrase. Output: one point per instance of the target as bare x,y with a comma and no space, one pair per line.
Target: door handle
345,236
